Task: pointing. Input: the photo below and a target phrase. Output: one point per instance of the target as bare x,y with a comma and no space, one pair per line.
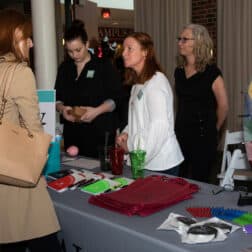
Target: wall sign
47,106
115,34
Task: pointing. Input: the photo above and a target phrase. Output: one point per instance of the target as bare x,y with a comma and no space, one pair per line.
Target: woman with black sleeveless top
202,102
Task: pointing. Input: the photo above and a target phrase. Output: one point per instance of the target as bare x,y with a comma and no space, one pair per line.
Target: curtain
163,20
234,54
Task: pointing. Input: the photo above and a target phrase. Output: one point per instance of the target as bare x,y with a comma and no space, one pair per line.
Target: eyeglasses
183,39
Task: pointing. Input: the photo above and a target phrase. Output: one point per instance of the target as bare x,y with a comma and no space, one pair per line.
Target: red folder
62,184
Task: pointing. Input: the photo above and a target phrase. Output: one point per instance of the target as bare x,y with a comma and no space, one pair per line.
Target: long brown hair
10,20
151,65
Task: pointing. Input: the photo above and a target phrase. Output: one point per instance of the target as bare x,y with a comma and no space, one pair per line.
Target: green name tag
140,94
90,74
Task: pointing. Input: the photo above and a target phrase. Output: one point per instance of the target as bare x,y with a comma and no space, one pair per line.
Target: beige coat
25,213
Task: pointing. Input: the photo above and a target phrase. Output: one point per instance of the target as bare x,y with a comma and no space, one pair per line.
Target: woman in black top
202,102
94,85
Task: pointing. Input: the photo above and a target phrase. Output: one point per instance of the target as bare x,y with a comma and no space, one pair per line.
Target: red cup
116,160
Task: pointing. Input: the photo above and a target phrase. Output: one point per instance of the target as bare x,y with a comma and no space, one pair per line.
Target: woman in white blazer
150,118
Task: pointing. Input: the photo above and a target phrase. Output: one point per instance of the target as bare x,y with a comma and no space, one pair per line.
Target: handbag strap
6,81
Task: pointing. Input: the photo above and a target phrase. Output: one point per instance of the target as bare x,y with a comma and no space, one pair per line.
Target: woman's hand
90,114
66,112
121,141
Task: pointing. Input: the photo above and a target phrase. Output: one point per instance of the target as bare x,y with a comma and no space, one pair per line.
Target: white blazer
151,123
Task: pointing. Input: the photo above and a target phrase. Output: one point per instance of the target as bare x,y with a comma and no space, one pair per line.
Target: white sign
47,110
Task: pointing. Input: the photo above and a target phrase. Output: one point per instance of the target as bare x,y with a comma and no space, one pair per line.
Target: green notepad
123,181
244,219
101,186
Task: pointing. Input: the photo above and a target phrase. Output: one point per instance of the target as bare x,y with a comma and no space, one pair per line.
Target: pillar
44,38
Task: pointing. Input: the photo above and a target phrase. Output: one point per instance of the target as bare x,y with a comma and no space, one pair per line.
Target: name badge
140,94
90,73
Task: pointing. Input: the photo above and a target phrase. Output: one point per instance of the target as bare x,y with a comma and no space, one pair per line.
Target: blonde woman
202,102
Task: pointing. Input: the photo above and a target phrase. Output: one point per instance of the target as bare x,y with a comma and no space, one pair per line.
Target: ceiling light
105,13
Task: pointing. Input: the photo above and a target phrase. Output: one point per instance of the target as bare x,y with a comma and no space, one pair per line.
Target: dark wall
204,12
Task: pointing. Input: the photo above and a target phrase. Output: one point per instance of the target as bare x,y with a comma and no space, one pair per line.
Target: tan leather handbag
23,153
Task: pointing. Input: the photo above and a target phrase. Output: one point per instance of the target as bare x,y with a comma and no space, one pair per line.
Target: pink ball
72,151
